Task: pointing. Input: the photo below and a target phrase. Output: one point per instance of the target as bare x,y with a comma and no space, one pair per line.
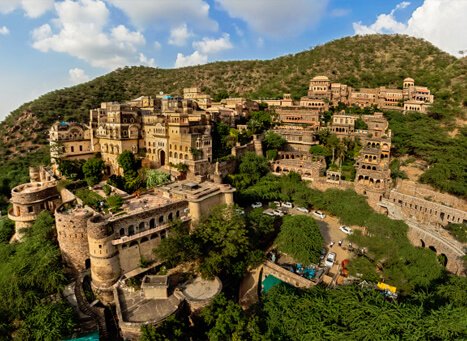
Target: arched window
141,226
122,232
161,219
152,223
131,230
170,216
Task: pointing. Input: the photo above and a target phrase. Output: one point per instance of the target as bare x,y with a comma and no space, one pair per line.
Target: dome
320,78
408,79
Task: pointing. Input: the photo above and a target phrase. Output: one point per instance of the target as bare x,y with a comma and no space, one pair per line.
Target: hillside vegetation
360,61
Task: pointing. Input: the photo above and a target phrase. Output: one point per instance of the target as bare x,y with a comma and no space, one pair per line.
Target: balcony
158,228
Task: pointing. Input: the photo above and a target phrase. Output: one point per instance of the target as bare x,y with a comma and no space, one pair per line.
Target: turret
105,264
71,223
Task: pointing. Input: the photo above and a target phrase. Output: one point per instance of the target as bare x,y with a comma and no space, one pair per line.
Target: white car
257,205
278,213
330,259
269,213
302,209
346,229
319,214
277,203
287,204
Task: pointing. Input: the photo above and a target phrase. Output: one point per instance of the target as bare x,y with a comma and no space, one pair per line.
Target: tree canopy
300,238
92,170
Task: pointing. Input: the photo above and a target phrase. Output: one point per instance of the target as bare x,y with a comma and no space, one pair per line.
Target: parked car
302,209
269,212
287,204
257,205
319,214
278,213
346,229
277,203
330,259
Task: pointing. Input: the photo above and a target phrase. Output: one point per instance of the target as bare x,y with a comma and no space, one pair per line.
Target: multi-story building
373,176
112,245
343,125
166,130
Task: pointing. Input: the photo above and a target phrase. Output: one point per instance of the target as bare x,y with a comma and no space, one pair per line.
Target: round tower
71,223
408,82
28,201
105,264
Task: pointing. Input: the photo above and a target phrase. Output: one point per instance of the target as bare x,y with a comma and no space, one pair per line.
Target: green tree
71,169
225,320
155,178
273,140
259,121
127,161
300,238
172,328
260,226
114,202
319,150
360,124
51,321
252,168
179,246
92,170
223,239
7,229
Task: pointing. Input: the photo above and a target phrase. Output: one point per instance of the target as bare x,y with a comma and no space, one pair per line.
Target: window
30,209
72,149
80,148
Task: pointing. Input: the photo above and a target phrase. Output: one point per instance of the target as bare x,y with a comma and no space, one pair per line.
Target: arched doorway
162,157
87,263
432,248
422,242
443,259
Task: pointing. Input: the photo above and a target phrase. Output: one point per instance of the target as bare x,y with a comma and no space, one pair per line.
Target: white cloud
143,60
195,58
163,13
208,46
79,32
440,23
385,23
78,76
4,31
276,18
157,45
179,35
33,8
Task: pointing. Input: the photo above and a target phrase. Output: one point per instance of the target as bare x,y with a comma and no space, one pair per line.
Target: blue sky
47,44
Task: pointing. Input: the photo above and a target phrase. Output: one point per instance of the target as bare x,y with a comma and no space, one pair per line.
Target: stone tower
71,223
105,264
408,82
30,199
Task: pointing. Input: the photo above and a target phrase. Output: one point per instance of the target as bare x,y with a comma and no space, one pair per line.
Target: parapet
33,192
98,227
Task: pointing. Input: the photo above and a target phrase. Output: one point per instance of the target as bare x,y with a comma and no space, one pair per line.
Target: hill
360,61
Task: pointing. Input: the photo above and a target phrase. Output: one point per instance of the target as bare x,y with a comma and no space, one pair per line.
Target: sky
48,44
